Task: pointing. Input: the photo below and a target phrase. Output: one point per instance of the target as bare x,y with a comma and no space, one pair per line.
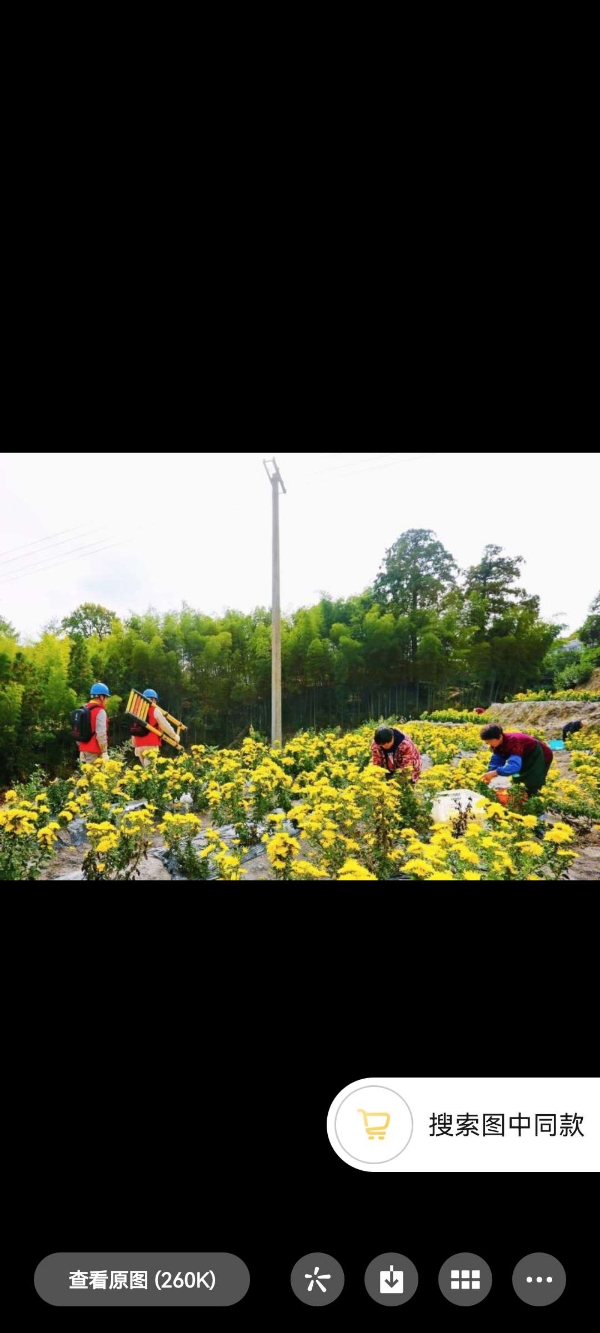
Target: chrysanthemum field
317,808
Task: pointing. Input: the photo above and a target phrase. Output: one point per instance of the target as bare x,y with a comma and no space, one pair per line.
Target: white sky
210,542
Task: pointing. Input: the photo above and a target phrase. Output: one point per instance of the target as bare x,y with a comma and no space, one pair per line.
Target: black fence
318,707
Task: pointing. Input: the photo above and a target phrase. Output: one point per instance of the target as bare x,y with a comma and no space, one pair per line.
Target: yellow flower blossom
560,833
307,870
352,870
466,854
416,866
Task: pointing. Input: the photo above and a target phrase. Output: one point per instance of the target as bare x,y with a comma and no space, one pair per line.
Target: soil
587,866
70,859
551,715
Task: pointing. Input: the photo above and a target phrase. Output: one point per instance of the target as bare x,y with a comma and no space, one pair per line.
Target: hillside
550,715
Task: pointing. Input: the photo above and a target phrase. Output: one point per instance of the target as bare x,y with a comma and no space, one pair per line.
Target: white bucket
447,804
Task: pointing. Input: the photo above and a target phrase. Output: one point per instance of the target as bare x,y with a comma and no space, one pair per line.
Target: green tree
88,619
7,629
11,696
318,662
416,574
490,588
79,672
379,645
590,630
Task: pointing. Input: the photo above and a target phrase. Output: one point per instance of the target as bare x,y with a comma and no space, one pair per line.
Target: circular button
539,1279
465,1279
317,1279
373,1124
391,1279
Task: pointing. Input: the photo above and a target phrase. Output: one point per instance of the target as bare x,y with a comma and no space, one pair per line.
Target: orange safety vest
150,739
92,746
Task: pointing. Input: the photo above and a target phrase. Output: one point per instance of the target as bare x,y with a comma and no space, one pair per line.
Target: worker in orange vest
148,743
96,745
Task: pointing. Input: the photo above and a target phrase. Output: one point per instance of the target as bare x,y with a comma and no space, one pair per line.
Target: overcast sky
209,542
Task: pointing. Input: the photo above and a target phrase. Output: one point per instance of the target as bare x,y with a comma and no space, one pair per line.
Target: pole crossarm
275,474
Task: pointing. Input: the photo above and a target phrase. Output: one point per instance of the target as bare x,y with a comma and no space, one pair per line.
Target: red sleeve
410,758
377,755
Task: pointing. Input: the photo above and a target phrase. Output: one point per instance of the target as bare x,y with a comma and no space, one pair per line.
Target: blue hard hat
99,688
150,694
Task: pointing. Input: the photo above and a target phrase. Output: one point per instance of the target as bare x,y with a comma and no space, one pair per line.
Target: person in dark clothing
392,749
570,727
517,755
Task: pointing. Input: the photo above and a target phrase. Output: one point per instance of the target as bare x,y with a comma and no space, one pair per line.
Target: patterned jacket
508,757
405,755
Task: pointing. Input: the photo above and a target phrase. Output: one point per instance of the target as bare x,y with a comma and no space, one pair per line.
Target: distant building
573,646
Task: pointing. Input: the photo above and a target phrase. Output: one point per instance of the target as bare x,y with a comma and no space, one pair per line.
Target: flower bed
545,696
348,822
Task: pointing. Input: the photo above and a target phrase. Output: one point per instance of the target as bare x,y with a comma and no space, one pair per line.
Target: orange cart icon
375,1131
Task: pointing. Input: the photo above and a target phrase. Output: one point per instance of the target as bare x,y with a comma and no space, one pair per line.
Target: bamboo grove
424,635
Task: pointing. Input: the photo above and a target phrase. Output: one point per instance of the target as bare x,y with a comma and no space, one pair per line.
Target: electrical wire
350,461
42,539
56,563
8,576
394,462
380,460
12,558
341,474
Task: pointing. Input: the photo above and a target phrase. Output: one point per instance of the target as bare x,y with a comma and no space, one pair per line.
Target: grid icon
465,1279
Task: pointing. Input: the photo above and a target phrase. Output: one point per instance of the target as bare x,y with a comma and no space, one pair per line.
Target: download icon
391,1282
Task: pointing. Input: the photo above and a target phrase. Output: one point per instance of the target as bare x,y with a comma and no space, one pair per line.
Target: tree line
424,635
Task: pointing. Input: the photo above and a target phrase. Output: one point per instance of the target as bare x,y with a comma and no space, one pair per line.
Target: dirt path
68,862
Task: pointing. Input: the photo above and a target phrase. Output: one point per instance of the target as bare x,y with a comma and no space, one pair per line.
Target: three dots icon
539,1279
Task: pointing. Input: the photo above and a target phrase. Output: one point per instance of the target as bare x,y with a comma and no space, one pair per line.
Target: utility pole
276,481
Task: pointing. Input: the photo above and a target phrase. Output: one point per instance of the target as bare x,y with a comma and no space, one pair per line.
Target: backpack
82,724
138,729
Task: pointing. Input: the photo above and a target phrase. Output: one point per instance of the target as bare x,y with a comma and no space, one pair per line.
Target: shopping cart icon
378,1130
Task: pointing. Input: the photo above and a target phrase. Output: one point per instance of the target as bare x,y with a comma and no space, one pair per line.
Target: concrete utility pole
276,481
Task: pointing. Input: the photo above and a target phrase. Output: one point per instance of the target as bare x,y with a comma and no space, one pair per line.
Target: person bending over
516,755
392,749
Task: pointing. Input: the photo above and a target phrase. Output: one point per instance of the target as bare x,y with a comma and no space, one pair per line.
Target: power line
56,563
348,463
8,577
347,469
342,474
42,539
395,462
12,558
